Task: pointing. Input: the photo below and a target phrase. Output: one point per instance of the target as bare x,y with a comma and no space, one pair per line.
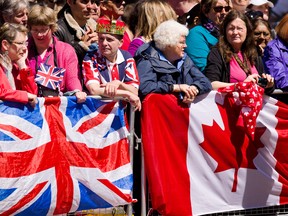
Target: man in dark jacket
76,27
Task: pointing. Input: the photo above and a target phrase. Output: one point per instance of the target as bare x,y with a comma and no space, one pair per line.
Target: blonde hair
282,29
42,15
150,14
8,31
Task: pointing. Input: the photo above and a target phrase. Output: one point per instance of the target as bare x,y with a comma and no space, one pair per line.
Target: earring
6,53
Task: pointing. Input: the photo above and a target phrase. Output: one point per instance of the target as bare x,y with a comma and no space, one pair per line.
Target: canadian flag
199,160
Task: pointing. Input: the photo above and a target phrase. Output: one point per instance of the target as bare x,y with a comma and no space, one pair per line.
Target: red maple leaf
231,147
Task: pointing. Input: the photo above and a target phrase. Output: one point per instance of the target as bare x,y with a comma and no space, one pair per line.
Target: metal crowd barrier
117,211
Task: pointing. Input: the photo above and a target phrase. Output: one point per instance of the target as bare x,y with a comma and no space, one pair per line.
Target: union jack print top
97,69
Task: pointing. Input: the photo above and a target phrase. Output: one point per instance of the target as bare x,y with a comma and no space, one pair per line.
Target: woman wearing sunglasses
205,35
15,76
113,10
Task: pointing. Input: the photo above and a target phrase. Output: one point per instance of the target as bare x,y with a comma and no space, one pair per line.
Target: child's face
109,45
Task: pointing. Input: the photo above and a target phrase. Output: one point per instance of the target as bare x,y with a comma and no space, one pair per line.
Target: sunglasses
219,9
253,15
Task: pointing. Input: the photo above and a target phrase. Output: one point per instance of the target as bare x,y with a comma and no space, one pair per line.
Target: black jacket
70,32
219,70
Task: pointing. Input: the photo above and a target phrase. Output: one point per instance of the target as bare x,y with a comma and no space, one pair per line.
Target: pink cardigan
66,58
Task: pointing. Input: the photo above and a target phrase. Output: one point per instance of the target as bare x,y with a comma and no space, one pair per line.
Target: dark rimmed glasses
219,9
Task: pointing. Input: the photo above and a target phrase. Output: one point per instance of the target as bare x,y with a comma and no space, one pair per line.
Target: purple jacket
135,44
276,62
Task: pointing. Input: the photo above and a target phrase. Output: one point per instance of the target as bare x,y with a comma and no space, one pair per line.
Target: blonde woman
45,50
150,14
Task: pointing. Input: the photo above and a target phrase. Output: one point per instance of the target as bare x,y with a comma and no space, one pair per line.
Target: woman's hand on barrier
193,90
81,96
188,100
190,92
32,99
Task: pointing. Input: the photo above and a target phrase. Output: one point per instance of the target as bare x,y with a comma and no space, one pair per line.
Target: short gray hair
168,33
9,8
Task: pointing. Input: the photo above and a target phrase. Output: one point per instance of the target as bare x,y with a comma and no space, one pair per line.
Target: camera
262,82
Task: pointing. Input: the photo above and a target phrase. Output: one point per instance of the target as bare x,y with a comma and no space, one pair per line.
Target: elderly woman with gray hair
15,11
164,67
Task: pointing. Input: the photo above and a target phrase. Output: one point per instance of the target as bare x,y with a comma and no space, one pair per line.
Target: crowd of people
130,49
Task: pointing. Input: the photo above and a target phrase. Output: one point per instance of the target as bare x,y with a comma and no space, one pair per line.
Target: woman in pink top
235,58
46,51
16,78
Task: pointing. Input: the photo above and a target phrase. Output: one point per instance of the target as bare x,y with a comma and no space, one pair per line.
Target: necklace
244,65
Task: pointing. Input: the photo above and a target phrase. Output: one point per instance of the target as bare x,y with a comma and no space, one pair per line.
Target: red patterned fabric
248,96
115,73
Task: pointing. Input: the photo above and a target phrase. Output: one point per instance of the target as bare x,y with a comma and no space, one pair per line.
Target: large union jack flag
49,76
63,157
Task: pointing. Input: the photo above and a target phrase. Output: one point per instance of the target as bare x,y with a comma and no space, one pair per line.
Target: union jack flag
49,76
63,157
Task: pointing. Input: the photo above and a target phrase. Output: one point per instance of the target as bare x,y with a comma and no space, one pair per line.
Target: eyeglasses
25,43
41,31
265,34
219,9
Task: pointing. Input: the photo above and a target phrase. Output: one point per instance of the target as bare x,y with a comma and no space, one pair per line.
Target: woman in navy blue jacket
164,67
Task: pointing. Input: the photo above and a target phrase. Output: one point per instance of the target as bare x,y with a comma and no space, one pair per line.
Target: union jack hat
110,26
